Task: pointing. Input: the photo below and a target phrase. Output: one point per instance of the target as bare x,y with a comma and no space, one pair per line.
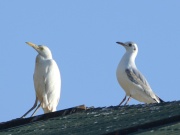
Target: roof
163,118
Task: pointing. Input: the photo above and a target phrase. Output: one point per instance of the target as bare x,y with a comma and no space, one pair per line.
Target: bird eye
41,48
130,44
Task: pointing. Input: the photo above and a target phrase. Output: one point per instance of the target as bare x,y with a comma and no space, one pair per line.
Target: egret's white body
47,80
131,80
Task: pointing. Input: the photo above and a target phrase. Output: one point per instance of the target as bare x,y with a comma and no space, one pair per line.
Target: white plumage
47,80
131,80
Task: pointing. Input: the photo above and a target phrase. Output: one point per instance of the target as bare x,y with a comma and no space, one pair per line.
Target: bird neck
128,59
46,57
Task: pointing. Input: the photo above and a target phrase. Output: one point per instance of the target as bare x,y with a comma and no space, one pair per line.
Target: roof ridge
83,108
22,121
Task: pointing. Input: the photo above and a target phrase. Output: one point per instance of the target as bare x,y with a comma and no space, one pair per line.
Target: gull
47,80
131,80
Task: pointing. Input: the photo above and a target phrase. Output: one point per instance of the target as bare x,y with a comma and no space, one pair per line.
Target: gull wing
136,77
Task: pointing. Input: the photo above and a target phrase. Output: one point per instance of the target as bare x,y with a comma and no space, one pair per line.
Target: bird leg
34,106
128,100
122,100
37,108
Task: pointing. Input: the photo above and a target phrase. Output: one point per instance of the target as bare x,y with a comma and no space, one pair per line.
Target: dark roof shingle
142,119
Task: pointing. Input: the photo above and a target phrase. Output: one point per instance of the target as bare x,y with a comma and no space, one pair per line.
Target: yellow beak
32,45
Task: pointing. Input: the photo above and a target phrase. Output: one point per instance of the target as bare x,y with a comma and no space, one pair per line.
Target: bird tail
161,101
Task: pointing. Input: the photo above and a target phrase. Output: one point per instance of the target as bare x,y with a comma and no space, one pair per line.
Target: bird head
44,51
129,46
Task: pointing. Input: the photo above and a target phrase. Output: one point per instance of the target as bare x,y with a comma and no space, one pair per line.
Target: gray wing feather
136,77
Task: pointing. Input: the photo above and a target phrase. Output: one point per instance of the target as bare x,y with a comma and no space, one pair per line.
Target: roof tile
104,120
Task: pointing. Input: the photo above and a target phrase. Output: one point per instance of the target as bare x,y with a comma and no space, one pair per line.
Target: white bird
131,80
47,80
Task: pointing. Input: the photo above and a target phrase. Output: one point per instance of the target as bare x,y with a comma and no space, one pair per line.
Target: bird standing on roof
47,80
131,80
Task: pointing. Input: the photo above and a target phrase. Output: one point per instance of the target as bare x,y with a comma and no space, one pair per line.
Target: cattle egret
131,80
47,80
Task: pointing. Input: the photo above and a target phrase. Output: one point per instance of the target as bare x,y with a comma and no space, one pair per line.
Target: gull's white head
44,51
130,47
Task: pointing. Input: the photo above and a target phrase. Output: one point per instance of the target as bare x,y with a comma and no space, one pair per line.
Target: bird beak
32,45
121,43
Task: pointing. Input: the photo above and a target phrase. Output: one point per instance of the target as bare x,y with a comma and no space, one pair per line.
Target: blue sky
82,36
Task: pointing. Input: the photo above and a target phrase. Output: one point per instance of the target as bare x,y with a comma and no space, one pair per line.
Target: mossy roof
163,118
